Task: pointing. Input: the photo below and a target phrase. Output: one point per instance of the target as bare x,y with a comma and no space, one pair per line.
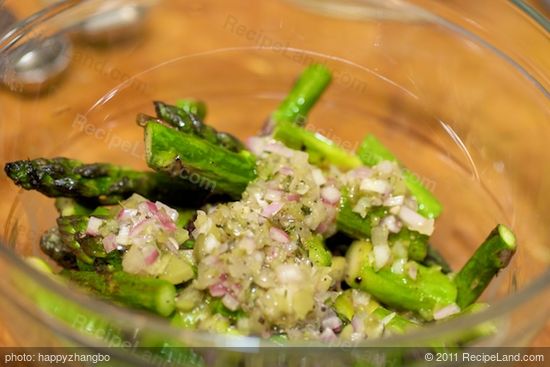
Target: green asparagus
288,120
69,206
190,123
103,182
344,307
85,321
152,294
71,229
416,243
197,108
351,223
170,151
52,245
304,94
71,314
180,154
371,152
398,324
321,150
430,289
493,255
317,251
434,258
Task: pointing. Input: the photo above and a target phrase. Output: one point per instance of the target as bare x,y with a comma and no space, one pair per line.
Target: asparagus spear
148,293
321,150
69,206
52,245
430,290
228,172
73,229
190,123
494,254
104,183
434,258
352,224
344,307
56,306
398,324
371,152
416,243
84,321
317,251
193,106
69,244
177,153
303,95
287,122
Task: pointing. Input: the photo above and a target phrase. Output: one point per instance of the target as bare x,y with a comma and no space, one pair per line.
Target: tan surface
100,70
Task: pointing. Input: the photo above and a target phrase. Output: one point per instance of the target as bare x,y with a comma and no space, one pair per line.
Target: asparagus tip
17,170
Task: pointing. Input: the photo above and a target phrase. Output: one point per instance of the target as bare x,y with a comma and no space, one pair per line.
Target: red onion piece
210,260
217,290
391,223
139,227
93,226
322,227
293,197
126,214
326,224
123,236
330,195
109,243
151,207
280,149
394,200
151,254
375,185
289,274
388,318
358,324
446,311
173,244
273,195
255,145
278,235
327,335
332,322
413,271
287,171
318,177
230,302
172,213
165,221
415,221
272,209
361,172
248,245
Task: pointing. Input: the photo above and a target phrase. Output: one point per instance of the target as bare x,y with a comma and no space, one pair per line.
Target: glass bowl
466,111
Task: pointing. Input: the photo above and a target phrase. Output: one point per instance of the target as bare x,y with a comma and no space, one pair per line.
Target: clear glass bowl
455,94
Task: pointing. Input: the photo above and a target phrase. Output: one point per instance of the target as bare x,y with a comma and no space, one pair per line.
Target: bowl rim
132,317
